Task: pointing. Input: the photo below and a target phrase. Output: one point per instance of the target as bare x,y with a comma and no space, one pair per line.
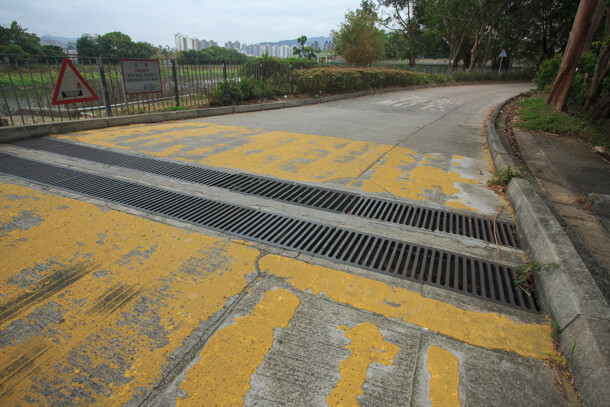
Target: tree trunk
486,54
558,95
601,69
473,53
597,18
601,110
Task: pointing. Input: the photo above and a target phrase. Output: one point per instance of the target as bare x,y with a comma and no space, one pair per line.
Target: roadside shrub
441,78
234,92
344,80
547,72
227,93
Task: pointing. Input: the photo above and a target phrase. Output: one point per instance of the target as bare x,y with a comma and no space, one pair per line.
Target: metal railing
27,85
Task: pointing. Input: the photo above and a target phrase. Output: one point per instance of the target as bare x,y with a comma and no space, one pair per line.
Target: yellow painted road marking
222,377
108,296
444,378
482,329
367,346
286,155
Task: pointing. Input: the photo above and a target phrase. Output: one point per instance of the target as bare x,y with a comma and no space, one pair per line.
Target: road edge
569,293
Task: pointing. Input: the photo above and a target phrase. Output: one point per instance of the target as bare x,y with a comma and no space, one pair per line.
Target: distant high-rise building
184,43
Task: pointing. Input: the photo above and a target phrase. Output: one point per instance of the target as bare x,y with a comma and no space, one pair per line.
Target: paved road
107,305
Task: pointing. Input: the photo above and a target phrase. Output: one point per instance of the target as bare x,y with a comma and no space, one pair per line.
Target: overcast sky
157,21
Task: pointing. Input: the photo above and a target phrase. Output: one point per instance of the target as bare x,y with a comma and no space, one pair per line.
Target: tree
485,13
113,45
402,14
211,54
304,51
15,35
358,40
88,46
558,96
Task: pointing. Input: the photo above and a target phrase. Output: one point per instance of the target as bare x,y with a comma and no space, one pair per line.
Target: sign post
71,87
502,56
141,76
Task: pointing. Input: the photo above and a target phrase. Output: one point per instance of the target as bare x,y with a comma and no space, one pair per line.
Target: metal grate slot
316,197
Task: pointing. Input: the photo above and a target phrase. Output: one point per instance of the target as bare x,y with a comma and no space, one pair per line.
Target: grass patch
500,179
535,115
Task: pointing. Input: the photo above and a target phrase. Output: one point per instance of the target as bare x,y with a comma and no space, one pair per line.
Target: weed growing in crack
524,275
500,179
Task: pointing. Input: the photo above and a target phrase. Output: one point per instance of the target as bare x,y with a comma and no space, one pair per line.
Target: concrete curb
568,293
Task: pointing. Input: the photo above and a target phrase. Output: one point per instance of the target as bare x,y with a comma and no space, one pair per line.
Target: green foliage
535,115
503,177
17,53
524,275
303,51
211,54
17,36
340,80
358,40
587,63
547,72
329,80
235,92
113,45
174,108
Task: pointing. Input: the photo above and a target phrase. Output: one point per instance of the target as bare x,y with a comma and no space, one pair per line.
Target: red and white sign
71,87
141,76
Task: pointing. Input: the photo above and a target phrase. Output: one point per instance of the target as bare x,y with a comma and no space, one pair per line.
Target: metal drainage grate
415,216
463,274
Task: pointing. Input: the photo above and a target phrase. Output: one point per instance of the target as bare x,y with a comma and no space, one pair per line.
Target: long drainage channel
470,276
500,233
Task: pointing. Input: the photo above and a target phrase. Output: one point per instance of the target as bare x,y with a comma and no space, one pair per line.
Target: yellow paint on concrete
222,376
299,156
482,329
139,289
169,151
367,346
444,378
294,156
399,175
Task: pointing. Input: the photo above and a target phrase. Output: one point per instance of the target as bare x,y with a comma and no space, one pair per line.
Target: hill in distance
63,40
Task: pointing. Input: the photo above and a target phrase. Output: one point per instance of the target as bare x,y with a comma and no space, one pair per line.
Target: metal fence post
175,77
224,71
100,69
291,81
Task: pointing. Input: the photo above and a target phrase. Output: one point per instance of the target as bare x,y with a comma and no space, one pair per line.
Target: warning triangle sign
71,87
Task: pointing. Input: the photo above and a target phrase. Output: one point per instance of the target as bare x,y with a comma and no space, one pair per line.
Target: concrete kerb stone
589,359
247,108
568,293
273,106
214,111
497,148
